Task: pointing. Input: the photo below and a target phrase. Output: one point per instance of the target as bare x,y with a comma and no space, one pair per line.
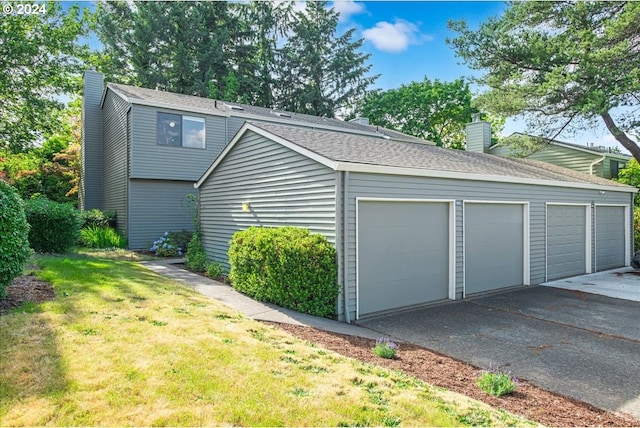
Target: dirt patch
633,272
529,401
26,288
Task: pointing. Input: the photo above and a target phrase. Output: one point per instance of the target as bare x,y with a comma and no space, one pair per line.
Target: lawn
121,345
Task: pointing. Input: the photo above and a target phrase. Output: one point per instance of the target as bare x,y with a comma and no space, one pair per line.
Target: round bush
54,226
14,234
288,266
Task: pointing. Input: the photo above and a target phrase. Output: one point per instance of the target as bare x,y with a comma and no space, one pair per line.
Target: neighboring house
143,150
414,223
598,161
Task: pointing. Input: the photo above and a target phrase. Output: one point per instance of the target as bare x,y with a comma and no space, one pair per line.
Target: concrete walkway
623,283
249,307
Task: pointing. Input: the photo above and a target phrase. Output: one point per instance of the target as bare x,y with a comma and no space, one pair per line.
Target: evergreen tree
183,47
318,71
562,64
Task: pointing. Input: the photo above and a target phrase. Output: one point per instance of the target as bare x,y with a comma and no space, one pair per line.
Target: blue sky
407,42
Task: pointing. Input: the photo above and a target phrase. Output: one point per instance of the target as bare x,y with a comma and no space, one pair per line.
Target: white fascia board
249,127
456,175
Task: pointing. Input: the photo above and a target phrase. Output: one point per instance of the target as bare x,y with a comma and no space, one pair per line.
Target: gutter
595,162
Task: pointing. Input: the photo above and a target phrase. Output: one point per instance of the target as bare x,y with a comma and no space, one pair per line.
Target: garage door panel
566,241
610,238
494,246
403,254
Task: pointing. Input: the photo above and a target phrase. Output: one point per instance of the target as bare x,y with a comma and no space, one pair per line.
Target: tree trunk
619,135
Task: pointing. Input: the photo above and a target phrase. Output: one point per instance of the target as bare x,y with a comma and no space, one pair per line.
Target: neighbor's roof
349,152
190,103
595,150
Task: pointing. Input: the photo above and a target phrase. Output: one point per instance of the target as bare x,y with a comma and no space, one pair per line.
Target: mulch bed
529,401
26,288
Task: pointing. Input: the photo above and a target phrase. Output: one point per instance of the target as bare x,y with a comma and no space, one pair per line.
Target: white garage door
610,238
494,246
403,254
566,241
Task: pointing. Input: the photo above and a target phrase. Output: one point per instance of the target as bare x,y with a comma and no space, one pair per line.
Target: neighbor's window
178,130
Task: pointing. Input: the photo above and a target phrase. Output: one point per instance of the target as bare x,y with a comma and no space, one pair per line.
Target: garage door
610,238
403,254
566,241
494,246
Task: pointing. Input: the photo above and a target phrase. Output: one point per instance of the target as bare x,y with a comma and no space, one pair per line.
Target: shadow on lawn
31,365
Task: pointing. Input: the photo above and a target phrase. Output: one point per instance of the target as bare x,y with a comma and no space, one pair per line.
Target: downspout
595,162
345,242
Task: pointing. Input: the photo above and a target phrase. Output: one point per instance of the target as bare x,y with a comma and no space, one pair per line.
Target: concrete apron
623,283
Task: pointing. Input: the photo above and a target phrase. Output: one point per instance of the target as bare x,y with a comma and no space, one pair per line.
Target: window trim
181,137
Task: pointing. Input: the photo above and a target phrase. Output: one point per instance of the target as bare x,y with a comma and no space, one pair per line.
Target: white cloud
346,8
396,37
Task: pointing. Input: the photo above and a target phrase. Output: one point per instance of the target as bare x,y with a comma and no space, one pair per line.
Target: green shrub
181,239
385,348
636,228
196,257
288,266
215,270
101,237
97,218
496,382
54,226
14,236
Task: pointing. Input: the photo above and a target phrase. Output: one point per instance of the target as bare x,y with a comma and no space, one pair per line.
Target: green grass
121,345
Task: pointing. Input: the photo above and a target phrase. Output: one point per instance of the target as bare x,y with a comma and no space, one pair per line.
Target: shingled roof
190,103
346,151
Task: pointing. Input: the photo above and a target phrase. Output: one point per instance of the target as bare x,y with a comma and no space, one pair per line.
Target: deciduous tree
433,110
42,60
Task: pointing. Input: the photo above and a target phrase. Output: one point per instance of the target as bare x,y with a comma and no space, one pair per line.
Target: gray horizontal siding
91,177
157,206
568,158
281,187
233,124
115,113
150,160
391,186
561,156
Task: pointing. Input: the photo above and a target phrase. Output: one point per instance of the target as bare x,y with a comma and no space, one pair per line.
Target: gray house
414,223
143,150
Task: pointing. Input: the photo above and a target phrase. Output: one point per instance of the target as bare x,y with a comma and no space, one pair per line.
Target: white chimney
478,136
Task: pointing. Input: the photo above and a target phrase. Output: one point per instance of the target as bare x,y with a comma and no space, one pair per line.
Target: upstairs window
181,131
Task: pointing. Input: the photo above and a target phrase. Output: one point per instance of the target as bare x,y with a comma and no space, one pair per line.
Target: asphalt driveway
582,345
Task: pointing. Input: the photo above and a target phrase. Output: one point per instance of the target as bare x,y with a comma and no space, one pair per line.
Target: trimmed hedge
288,266
14,234
55,227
